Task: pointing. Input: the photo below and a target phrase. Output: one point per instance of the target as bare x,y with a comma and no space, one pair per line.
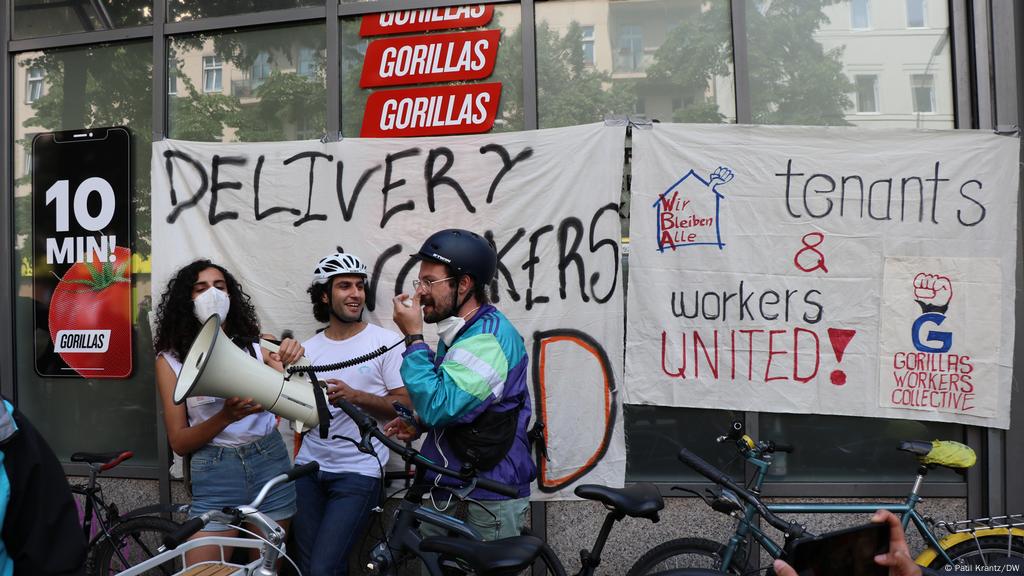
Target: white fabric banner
269,211
823,270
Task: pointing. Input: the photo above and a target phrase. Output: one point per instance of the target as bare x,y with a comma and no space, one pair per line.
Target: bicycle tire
138,539
992,550
685,553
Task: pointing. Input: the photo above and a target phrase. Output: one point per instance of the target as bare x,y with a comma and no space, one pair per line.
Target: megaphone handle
323,414
275,347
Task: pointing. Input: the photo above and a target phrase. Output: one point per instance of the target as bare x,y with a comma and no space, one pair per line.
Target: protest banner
270,211
823,270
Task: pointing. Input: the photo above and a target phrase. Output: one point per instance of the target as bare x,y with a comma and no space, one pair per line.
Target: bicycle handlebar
368,427
193,525
791,529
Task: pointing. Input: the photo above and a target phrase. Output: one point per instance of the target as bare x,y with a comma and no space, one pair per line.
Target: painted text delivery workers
234,445
471,393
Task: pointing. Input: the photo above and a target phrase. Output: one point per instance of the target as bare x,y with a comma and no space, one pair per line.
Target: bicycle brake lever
464,492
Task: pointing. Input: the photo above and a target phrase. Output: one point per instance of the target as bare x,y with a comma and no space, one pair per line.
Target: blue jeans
333,510
223,476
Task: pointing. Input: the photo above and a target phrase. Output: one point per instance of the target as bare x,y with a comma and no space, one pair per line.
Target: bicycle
969,542
403,541
270,542
121,540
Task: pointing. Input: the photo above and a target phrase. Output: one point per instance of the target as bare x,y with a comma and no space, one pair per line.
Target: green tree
102,86
793,79
569,92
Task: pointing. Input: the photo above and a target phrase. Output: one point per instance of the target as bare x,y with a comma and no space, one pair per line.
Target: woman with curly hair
234,443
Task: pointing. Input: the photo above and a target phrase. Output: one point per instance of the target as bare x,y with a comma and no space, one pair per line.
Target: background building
238,70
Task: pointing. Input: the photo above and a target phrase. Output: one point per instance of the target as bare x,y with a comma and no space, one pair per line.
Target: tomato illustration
91,299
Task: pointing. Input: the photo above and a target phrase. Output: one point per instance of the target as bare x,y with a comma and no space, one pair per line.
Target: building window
587,40
923,88
860,14
260,70
307,62
34,85
916,13
172,84
630,57
213,69
867,93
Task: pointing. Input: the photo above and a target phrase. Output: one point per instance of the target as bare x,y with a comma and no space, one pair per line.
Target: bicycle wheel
134,541
685,553
993,550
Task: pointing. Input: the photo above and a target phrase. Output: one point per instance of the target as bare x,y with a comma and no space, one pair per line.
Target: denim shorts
233,476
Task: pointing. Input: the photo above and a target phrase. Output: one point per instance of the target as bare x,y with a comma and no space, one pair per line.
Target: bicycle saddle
110,459
637,500
946,453
507,556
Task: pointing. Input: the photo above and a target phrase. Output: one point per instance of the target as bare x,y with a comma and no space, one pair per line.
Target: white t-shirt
202,408
377,377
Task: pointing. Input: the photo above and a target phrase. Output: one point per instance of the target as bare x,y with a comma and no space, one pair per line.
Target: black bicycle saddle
508,556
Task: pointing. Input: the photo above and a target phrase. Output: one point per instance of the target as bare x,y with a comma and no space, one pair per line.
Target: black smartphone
847,552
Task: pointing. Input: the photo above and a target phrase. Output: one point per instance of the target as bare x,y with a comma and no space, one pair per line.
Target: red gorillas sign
426,20
464,109
425,59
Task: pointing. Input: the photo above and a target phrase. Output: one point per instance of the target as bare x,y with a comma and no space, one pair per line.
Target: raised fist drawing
933,292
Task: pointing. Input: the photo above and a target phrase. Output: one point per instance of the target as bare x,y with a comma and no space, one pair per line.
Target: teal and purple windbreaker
486,368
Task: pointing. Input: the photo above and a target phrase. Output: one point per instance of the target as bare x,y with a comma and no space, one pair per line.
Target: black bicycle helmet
466,252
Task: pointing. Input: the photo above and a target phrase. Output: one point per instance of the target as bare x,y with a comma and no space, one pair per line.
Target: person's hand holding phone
897,559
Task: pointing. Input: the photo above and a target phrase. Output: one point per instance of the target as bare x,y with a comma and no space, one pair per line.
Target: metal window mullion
82,39
267,18
333,70
528,36
982,63
159,125
741,63
961,47
7,273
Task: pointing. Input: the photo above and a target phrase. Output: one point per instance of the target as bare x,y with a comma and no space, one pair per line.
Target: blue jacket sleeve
468,379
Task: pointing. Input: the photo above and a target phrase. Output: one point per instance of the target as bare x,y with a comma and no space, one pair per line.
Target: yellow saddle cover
950,454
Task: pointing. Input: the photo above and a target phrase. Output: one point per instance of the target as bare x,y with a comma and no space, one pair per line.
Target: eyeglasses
428,284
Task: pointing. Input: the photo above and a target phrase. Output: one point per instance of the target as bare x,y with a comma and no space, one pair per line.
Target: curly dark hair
176,322
321,309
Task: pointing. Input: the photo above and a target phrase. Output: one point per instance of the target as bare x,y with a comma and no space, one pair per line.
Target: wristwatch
412,338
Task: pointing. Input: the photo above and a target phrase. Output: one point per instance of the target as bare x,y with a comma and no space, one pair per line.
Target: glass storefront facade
243,71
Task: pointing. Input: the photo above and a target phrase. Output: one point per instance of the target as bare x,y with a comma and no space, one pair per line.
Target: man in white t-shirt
334,504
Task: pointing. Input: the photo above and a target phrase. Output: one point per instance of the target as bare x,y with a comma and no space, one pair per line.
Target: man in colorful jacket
471,394
40,533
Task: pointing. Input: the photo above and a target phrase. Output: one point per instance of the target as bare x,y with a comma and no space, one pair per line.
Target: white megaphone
225,370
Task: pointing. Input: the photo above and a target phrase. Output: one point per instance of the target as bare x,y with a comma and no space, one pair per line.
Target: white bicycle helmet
336,264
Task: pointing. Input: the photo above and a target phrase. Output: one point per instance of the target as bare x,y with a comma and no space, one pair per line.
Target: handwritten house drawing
688,212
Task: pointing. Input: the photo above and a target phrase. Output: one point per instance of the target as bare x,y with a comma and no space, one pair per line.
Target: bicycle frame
747,527
404,539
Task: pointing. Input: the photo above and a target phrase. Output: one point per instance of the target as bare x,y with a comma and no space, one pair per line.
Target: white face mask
212,301
448,328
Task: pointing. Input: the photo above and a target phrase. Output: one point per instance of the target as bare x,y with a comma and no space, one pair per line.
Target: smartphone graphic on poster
81,253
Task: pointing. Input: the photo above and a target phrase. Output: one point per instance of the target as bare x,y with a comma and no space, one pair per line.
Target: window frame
914,87
876,94
31,85
867,14
215,65
924,14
